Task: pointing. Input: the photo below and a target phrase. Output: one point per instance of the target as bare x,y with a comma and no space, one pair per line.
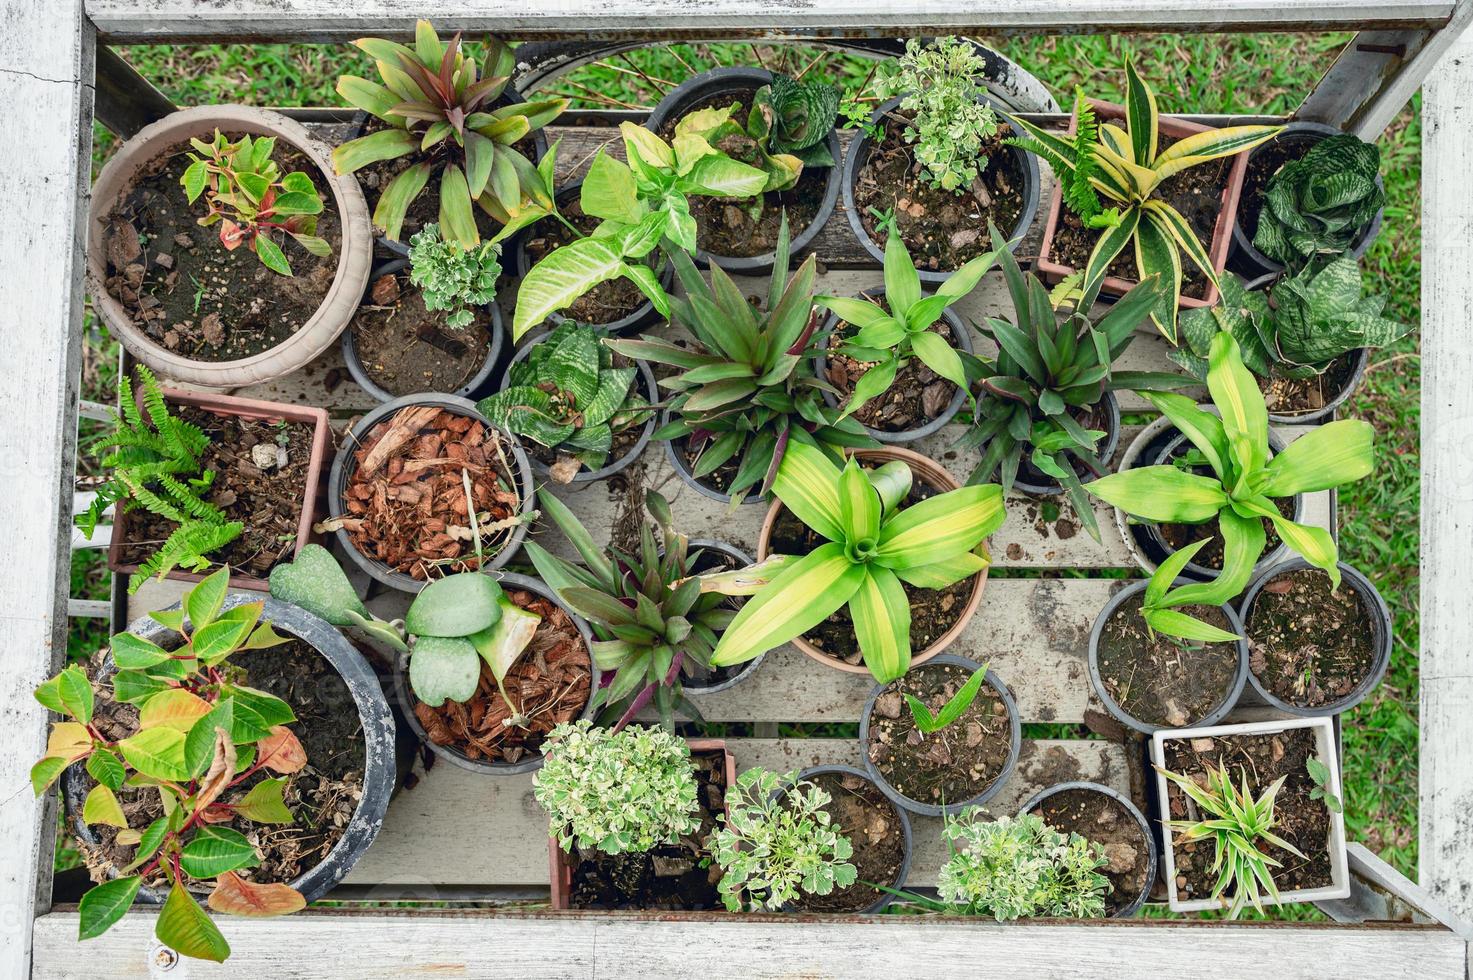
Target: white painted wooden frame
48,49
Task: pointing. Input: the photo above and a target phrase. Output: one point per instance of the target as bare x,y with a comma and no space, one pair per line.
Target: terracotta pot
355,251
248,408
935,475
1222,233
561,864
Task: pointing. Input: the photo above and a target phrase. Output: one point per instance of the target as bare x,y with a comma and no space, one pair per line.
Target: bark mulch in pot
941,229
916,397
952,765
1103,820
671,877
323,796
1290,396
260,471
1307,645
405,497
191,296
862,813
932,611
1195,192
1301,821
607,302
406,349
1157,679
551,683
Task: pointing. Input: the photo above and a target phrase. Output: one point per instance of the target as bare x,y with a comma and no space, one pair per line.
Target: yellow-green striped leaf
1140,116
1161,493
804,595
940,527
1202,429
881,615
948,571
859,504
1235,392
1169,220
1243,539
1201,147
1111,244
1156,255
1139,181
1330,456
807,483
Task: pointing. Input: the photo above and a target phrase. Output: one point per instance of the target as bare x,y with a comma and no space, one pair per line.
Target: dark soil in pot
1105,821
1195,192
1178,536
406,349
323,796
1290,396
191,296
941,229
552,683
1301,821
1156,679
608,302
267,499
932,611
695,677
718,481
861,812
670,877
404,496
950,766
1265,161
915,398
1307,645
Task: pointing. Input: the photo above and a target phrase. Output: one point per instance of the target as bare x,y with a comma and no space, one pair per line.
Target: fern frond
188,500
126,403
187,547
1079,193
141,496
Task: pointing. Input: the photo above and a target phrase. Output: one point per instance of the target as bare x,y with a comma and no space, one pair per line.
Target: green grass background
1202,73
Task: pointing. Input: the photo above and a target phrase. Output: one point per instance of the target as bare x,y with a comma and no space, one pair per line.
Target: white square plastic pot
1324,735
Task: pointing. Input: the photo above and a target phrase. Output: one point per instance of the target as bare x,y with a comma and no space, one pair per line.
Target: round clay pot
1015,745
1154,858
739,84
691,686
343,466
473,384
936,476
904,873
1247,258
405,695
585,475
1052,488
355,252
858,155
961,335
677,463
379,767
1381,638
1229,701
1362,358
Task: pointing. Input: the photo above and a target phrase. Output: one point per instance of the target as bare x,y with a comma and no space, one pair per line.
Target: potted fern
199,481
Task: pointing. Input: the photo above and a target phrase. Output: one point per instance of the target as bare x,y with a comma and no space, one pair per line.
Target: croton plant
204,742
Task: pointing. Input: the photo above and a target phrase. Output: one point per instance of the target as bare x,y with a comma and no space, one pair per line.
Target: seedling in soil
928,723
1320,773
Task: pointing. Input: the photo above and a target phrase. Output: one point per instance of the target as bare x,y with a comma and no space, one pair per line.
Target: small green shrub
451,276
942,86
1321,203
1017,867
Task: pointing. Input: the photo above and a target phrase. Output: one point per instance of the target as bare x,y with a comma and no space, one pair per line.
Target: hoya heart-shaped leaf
456,605
316,583
443,667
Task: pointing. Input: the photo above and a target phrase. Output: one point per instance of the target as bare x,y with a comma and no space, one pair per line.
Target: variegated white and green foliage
1128,168
746,390
452,277
875,546
1296,327
803,114
1052,362
1321,203
1019,867
566,394
642,205
1245,478
620,792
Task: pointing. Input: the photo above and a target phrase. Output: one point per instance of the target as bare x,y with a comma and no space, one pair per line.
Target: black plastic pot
1192,569
739,84
963,341
1381,638
473,385
1015,739
683,471
1247,259
1154,859
586,475
644,317
904,873
694,687
343,465
1229,701
858,155
1106,452
379,769
405,694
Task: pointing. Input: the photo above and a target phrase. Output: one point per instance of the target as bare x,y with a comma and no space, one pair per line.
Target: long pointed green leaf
881,614
804,595
1330,456
941,527
1161,493
808,485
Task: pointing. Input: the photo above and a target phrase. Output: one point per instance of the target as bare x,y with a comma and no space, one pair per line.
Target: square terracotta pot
252,409
561,863
1222,232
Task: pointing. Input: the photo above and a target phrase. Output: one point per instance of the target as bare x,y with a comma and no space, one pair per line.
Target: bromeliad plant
746,392
1237,824
200,735
1244,478
452,277
433,102
1320,204
778,843
1128,167
566,394
620,792
249,198
874,544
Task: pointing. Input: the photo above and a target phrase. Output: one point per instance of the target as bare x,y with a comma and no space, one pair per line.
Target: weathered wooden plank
126,101
425,843
370,945
46,54
136,21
